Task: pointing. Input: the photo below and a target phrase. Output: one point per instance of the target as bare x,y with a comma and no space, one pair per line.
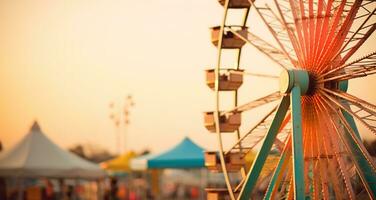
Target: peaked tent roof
120,163
37,156
186,154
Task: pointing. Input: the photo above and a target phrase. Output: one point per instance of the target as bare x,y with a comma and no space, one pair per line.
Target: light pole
128,103
120,115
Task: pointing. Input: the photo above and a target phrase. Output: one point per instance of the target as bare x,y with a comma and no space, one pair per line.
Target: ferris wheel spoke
279,171
278,30
285,183
260,124
314,23
268,141
323,170
359,145
285,14
358,12
316,17
352,99
290,192
337,173
366,17
352,74
316,161
337,35
256,134
328,150
366,116
333,143
264,47
304,23
296,13
308,26
351,132
255,74
361,66
320,19
322,27
314,140
363,161
334,179
341,164
255,103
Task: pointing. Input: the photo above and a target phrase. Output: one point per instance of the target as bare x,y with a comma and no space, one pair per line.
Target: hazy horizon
63,62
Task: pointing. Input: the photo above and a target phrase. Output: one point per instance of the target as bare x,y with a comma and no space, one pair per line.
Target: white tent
141,163
37,156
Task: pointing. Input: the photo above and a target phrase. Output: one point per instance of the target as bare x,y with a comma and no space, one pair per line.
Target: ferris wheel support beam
351,121
297,143
343,86
273,53
365,166
268,142
293,83
281,167
366,169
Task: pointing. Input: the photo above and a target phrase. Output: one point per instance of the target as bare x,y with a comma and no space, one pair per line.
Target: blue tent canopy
186,154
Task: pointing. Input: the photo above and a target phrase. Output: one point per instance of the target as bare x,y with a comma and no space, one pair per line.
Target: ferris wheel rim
217,109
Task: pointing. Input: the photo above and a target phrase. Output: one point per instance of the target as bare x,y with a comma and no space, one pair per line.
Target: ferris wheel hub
294,77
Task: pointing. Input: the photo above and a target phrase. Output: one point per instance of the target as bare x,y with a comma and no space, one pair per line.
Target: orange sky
62,62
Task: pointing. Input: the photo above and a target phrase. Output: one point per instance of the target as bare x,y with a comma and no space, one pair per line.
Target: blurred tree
91,152
2,180
144,152
3,188
78,150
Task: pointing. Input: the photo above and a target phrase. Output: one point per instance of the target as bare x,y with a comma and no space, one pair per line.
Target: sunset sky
63,62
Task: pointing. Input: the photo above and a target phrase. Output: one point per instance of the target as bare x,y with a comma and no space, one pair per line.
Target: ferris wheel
308,145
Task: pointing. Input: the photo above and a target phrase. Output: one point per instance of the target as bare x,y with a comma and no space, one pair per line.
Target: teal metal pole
259,161
351,121
297,143
343,86
366,169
